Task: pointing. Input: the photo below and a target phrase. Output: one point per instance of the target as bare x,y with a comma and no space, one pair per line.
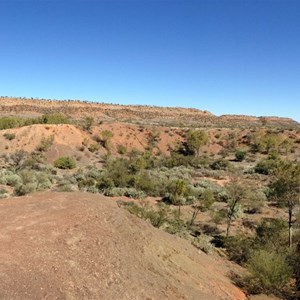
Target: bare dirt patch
83,246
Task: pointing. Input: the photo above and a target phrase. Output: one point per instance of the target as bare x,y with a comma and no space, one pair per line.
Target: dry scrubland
162,203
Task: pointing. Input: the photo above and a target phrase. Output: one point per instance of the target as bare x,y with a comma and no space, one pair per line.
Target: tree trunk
297,268
228,225
230,216
290,224
195,213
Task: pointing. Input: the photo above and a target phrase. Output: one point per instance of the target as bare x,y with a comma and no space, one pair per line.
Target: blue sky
238,57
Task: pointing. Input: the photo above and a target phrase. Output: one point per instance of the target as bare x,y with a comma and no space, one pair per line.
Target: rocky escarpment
236,120
137,113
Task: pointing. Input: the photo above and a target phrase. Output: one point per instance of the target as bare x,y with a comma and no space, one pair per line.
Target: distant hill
137,113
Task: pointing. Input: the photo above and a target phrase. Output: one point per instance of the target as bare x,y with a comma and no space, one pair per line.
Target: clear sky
238,57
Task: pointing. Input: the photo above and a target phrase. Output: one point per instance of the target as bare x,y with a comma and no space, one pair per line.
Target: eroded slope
83,246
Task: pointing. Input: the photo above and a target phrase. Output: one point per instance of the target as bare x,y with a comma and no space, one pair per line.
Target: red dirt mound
83,246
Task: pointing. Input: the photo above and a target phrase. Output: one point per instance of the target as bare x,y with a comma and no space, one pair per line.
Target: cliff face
136,113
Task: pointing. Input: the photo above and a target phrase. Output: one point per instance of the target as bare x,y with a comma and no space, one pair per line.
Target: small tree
203,204
236,193
178,193
88,122
286,190
196,139
265,142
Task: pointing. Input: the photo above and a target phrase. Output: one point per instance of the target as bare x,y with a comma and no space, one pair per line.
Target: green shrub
86,183
2,191
220,164
13,180
94,147
270,235
255,201
177,159
36,162
92,189
222,196
147,183
55,118
219,216
160,217
144,211
269,272
18,157
119,172
239,248
65,162
153,138
158,182
9,122
28,184
115,192
240,155
32,181
9,136
45,144
267,166
203,242
106,139
44,181
67,188
94,173
128,192
3,174
133,193
24,189
105,183
88,122
121,149
175,225
207,199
